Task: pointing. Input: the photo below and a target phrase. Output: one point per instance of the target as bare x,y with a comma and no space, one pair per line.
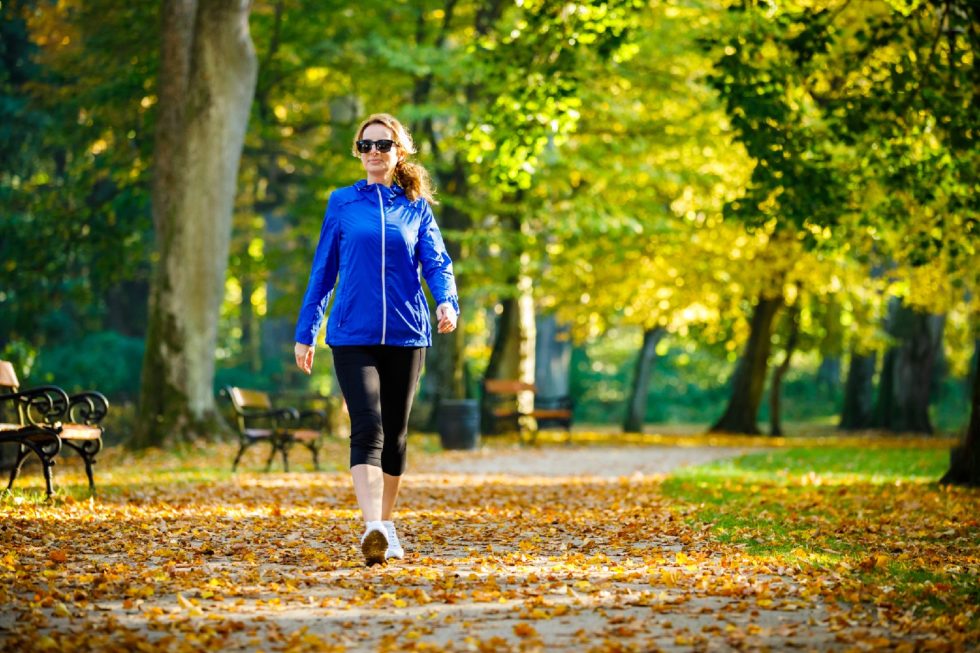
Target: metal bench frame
257,420
47,419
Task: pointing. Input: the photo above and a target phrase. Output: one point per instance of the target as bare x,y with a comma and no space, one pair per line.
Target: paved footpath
605,462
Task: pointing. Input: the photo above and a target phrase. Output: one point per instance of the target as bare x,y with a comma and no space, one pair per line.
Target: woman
376,234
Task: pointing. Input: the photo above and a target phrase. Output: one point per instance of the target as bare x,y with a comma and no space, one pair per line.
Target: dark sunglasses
383,146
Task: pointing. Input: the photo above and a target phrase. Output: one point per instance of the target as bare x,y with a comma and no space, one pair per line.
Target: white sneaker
374,543
395,549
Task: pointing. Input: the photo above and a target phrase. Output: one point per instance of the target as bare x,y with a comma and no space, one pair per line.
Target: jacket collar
386,191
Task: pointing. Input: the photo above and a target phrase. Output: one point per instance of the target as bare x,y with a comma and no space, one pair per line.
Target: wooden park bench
47,418
503,410
257,420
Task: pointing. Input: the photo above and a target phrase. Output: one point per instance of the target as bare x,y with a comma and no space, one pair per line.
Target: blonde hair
412,177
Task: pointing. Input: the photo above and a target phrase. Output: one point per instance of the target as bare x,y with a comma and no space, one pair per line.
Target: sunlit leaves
845,544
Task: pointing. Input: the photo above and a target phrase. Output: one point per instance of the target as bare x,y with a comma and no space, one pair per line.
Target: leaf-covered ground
839,544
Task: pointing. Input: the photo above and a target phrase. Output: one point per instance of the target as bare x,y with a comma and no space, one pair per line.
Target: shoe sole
373,547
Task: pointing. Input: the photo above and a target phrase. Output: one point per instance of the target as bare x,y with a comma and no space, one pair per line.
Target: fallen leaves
494,563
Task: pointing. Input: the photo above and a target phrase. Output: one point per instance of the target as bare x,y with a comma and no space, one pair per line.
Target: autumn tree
764,70
205,87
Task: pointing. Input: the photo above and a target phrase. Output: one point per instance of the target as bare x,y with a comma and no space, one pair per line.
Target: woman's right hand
304,357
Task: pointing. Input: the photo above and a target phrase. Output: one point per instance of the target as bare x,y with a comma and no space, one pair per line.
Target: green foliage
688,386
593,147
762,67
76,211
105,361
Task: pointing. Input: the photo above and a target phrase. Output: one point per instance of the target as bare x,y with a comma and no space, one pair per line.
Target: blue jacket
379,299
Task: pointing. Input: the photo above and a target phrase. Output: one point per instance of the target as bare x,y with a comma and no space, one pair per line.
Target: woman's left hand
447,317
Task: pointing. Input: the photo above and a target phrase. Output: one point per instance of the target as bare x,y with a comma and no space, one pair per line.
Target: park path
554,549
604,462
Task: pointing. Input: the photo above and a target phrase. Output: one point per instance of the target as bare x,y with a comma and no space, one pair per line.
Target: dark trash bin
459,423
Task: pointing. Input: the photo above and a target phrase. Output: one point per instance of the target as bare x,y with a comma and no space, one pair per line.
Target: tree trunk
552,357
636,407
512,356
742,412
906,377
828,375
858,411
446,368
775,419
206,83
964,460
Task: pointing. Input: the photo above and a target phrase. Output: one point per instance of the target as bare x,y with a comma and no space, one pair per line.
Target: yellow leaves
57,555
61,610
189,606
524,630
506,561
873,561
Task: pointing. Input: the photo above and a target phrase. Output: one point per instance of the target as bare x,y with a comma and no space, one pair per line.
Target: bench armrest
45,405
88,408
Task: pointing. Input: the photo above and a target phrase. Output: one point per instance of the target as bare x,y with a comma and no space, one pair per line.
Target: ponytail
415,180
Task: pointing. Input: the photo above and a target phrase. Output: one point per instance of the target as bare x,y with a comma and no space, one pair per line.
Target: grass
871,517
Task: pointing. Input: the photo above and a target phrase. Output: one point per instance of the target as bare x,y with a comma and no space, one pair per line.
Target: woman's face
380,166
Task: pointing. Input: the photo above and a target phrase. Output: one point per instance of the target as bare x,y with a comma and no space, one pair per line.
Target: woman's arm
437,268
323,276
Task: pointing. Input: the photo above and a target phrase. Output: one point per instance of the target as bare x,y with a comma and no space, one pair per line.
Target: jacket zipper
384,300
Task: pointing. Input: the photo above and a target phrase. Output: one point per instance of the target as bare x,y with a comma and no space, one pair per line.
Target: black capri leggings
378,382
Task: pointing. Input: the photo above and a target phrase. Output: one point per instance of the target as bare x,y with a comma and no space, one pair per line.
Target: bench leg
22,452
272,454
47,465
284,450
242,446
87,450
46,452
314,449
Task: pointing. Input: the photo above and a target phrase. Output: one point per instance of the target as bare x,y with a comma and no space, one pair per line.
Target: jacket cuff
452,300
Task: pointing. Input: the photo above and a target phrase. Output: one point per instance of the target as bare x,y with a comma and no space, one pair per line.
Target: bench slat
507,386
251,398
80,432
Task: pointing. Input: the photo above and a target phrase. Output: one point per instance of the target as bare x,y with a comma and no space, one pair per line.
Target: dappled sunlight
779,546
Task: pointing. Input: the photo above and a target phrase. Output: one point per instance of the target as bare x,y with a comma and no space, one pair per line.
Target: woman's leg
357,372
368,487
399,379
390,495
399,371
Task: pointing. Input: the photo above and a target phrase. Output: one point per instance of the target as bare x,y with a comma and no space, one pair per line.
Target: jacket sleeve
437,267
323,276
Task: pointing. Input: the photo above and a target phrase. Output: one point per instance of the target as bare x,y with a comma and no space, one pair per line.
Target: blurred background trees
666,208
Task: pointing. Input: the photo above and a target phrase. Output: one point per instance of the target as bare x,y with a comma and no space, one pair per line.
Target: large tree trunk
775,417
858,411
741,415
964,460
907,374
206,83
636,406
512,356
